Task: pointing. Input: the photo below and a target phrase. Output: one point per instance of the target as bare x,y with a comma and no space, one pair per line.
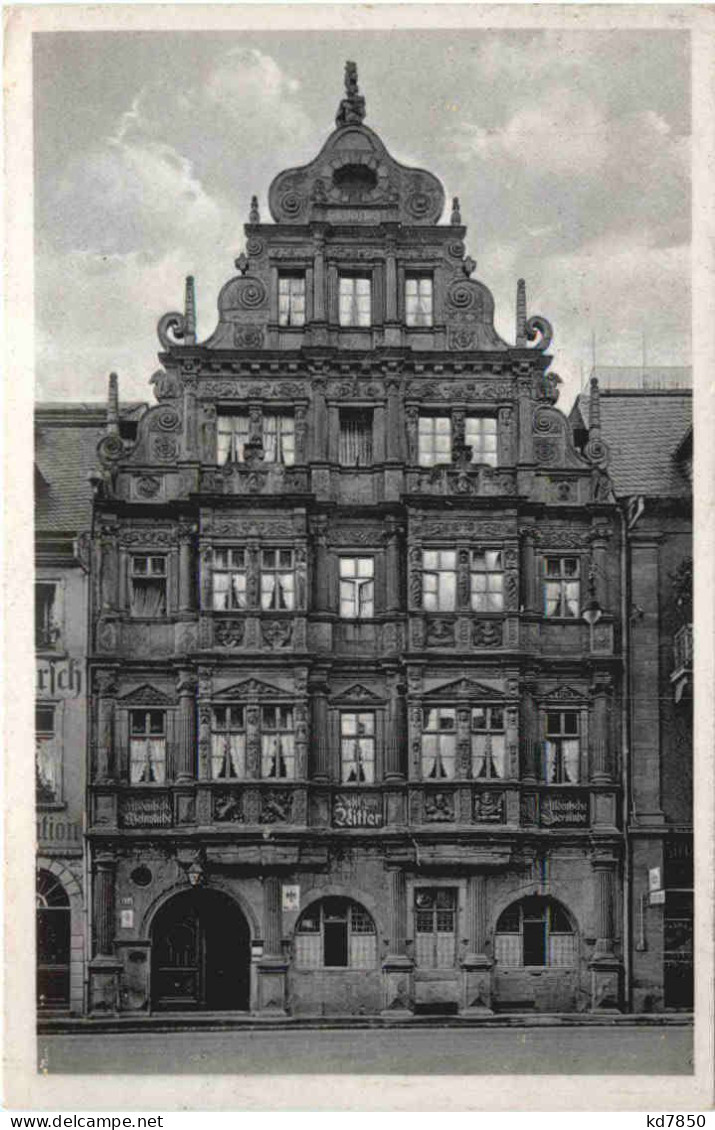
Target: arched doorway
201,953
53,942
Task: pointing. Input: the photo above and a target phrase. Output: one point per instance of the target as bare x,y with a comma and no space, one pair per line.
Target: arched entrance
201,953
53,942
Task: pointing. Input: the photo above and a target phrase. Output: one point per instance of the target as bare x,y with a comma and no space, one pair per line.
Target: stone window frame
253,548
464,706
581,705
252,706
356,273
457,413
253,410
357,583
345,703
581,557
123,708
136,553
416,274
290,274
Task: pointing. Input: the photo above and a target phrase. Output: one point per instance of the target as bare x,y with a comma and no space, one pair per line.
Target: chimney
190,312
521,314
113,405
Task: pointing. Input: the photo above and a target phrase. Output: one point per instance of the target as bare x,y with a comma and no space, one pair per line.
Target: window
291,300
357,748
233,433
229,579
277,580
147,738
488,742
562,587
48,767
487,580
434,440
439,727
435,927
338,933
228,742
277,748
536,932
47,628
355,438
279,438
418,300
53,917
355,300
148,581
439,580
562,748
357,588
480,433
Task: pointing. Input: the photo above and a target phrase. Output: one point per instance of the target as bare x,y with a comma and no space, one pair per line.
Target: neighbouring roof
66,438
645,432
653,378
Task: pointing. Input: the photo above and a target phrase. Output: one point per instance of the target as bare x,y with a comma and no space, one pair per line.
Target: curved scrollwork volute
539,333
171,329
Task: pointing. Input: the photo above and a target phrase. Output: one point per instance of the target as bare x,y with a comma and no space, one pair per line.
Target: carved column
320,744
253,742
599,551
605,966
106,688
390,283
109,570
272,967
530,736
463,581
319,281
392,565
506,452
190,421
186,752
412,415
397,968
529,571
320,421
396,734
301,433
322,574
394,421
601,767
104,969
186,537
476,966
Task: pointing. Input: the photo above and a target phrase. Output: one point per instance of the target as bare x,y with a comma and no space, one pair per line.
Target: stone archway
201,953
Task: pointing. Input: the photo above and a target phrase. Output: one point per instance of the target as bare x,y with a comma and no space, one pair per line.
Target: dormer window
291,300
355,300
418,300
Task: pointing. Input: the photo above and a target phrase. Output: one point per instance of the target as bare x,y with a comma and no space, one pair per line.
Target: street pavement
435,1051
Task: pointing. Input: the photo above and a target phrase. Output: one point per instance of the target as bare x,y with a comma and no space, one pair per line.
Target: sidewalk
228,1021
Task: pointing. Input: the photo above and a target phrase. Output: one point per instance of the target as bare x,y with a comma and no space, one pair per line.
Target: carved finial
189,312
254,216
456,217
113,405
351,110
594,411
521,314
469,266
242,263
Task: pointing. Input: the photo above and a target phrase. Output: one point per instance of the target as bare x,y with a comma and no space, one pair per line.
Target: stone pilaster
395,767
106,689
606,969
320,746
397,967
186,747
272,967
476,966
104,969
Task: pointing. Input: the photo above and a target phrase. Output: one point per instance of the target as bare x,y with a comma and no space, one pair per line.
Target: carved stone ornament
166,385
486,633
438,808
165,449
248,689
489,807
227,807
172,329
546,452
440,633
277,634
357,693
163,419
539,331
110,449
276,806
248,337
147,486
146,695
229,633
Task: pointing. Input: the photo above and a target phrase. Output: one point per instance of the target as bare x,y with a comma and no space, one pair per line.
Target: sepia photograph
363,548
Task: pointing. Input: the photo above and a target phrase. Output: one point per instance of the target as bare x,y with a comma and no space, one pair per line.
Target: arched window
53,942
535,932
335,933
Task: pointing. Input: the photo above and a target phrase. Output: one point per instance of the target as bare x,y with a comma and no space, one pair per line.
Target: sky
569,151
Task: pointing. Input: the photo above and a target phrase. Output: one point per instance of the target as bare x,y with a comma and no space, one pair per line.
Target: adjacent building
356,636
645,418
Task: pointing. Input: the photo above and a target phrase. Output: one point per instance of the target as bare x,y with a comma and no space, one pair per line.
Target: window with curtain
355,300
228,578
147,741
228,742
562,587
480,433
277,580
357,588
279,438
439,739
418,300
277,742
487,580
48,765
434,440
435,927
439,580
355,438
534,932
488,742
357,748
335,933
233,432
562,748
148,585
47,627
291,300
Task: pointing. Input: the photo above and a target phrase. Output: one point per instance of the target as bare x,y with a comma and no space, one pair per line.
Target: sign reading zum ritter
357,810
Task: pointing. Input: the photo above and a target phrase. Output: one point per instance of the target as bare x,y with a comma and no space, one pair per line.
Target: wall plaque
559,810
146,812
357,810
